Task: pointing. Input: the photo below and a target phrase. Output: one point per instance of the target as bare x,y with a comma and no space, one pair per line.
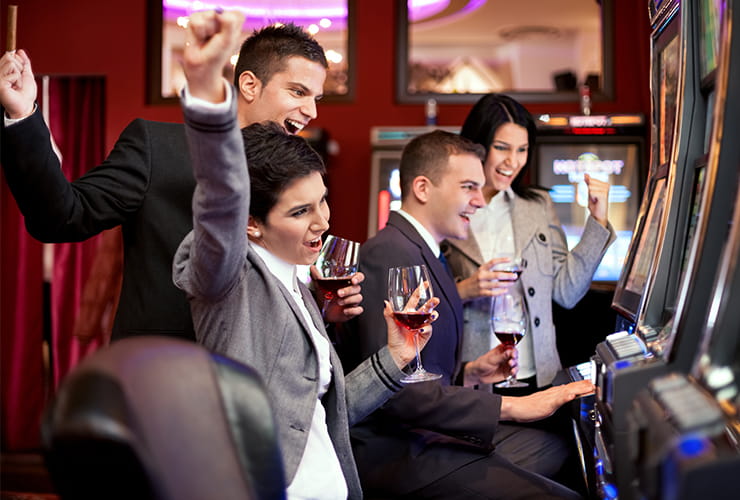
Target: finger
358,278
203,25
315,274
350,300
351,312
348,291
429,305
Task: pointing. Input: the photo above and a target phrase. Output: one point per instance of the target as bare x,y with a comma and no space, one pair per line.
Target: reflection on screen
562,167
668,90
648,240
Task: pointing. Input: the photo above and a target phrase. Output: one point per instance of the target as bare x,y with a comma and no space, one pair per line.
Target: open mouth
505,172
314,243
292,126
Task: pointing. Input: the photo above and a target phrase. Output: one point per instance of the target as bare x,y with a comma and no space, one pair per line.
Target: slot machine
684,431
665,286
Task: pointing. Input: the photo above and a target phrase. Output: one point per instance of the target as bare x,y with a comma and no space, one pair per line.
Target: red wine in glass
514,265
510,338
337,263
413,320
329,286
409,290
509,322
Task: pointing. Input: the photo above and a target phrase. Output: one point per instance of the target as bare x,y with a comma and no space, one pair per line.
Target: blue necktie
443,260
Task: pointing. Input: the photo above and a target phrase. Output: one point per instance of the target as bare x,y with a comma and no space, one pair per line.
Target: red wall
109,38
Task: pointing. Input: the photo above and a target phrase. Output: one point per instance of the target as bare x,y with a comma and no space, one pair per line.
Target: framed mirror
454,51
330,22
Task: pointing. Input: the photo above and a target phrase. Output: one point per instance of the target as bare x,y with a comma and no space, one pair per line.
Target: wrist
470,375
507,410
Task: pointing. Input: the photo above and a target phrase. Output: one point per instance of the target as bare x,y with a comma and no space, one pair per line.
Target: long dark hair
489,113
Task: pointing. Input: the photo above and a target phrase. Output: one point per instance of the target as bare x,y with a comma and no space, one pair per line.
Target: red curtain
77,121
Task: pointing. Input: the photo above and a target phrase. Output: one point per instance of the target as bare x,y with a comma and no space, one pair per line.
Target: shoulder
162,131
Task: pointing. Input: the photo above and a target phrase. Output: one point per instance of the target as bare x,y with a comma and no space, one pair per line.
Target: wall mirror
329,21
533,50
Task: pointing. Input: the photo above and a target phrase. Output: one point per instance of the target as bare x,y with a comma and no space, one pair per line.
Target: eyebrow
308,205
499,141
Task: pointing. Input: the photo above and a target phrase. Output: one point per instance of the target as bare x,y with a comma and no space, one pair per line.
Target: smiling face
293,227
289,98
507,156
454,197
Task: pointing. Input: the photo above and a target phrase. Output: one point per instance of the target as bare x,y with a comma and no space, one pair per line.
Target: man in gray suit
443,439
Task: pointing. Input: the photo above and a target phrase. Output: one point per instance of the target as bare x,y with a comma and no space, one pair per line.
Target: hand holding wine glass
336,265
410,295
513,264
509,321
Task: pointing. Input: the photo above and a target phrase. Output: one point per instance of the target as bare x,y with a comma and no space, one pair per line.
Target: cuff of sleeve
203,106
8,121
386,369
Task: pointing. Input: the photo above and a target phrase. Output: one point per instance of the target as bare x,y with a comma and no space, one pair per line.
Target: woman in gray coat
521,220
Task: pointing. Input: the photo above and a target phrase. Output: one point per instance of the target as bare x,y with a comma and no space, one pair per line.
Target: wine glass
337,263
509,320
516,264
409,290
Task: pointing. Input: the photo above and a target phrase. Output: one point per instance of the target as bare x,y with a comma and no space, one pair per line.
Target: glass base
420,376
509,383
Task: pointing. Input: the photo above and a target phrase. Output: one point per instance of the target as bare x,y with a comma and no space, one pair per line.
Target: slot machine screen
668,61
634,277
561,167
709,15
385,191
696,198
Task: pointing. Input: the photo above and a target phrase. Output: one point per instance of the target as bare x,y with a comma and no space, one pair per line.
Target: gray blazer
242,311
553,273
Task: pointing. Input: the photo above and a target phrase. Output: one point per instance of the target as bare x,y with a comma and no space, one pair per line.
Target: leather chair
160,418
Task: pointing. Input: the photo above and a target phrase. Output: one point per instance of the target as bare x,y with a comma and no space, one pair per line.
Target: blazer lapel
468,247
523,224
446,285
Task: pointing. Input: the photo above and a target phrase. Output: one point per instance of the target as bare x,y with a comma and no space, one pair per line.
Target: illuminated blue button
622,363
692,446
610,491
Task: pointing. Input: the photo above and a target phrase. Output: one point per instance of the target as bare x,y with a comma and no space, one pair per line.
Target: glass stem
419,367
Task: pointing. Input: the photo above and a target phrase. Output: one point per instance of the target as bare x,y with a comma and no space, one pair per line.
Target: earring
257,234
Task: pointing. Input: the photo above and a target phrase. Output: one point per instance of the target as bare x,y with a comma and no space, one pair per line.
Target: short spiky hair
428,155
275,160
266,51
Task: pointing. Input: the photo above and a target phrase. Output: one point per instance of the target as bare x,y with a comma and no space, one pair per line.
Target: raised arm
55,209
217,247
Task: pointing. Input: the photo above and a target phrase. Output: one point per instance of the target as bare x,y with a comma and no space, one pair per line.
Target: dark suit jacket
427,429
145,185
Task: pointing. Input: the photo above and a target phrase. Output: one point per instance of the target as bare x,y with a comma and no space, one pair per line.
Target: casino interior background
108,40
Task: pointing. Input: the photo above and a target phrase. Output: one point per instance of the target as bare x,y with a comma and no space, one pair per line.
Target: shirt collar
283,271
425,235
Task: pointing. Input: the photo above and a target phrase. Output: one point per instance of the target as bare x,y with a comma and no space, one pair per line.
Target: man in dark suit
146,183
438,439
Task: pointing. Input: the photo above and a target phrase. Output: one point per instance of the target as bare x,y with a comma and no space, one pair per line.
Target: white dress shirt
319,474
491,225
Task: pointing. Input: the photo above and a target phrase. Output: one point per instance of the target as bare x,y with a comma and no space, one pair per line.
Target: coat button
537,322
542,237
530,291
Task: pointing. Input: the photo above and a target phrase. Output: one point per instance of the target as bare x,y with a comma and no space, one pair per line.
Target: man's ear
420,188
249,86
